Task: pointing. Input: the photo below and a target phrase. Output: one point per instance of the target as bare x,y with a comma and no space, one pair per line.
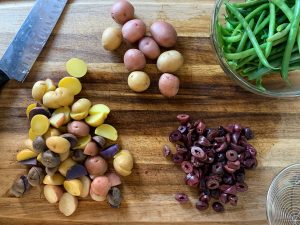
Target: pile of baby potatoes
70,145
133,31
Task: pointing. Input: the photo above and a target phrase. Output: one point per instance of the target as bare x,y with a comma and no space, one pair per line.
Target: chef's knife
30,40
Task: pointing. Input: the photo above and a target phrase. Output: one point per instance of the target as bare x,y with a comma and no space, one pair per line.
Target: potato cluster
133,31
69,146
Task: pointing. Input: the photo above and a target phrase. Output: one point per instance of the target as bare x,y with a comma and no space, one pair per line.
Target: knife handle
3,78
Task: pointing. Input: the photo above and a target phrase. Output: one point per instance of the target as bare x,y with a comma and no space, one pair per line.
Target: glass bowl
273,83
283,199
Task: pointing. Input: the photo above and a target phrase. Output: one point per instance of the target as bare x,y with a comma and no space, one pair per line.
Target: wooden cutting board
144,120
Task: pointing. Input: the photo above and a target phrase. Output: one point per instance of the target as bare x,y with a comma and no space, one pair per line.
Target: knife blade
30,40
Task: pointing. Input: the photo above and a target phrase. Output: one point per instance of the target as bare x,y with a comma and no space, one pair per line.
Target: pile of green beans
260,37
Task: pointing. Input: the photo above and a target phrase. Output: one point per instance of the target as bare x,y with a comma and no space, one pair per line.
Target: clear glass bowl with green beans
258,44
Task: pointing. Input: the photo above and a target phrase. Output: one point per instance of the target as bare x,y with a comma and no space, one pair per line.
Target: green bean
281,27
271,29
231,39
244,38
249,4
251,36
291,41
279,35
262,25
298,40
284,8
260,19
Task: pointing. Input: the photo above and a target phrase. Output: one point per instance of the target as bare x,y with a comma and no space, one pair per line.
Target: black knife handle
3,78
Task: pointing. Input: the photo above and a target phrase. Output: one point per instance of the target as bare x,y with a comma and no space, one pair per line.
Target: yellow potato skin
56,179
26,154
58,144
72,84
107,131
73,187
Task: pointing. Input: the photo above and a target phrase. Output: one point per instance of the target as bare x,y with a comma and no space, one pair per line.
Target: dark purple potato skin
39,110
76,171
29,162
110,151
71,138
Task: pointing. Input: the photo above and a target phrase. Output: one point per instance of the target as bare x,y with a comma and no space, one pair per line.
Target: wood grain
144,120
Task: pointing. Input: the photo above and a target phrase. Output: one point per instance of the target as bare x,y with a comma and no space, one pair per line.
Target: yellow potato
26,154
79,116
68,204
99,108
38,90
81,105
107,131
65,166
51,132
96,119
39,124
39,157
72,84
32,136
65,97
53,193
58,144
64,156
123,163
29,108
170,61
82,142
57,120
138,81
66,111
76,67
86,182
50,85
112,38
28,144
51,100
73,187
56,179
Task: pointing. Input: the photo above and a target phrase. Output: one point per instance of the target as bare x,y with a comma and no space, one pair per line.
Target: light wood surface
144,120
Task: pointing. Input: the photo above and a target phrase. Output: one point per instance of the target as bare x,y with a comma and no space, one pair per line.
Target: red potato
114,179
97,198
149,47
78,128
133,30
53,193
100,186
96,165
168,85
91,149
122,11
164,34
134,60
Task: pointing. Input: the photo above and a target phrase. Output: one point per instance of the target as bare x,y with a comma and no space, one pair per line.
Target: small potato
36,176
138,81
100,186
50,159
99,108
111,38
29,162
97,198
72,84
29,108
169,61
26,154
64,156
58,144
78,156
28,144
50,85
133,30
81,105
86,182
65,166
134,60
66,97
76,67
39,111
100,141
51,100
68,204
51,171
107,131
96,119
164,34
75,172
123,163
39,144
56,179
96,165
57,120
114,179
149,47
53,193
122,11
71,138
82,142
66,111
78,128
38,90
32,135
79,116
74,187
91,149
39,124
51,132
168,85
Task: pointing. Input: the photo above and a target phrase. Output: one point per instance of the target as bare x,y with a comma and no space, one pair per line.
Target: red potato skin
149,47
78,128
122,11
114,179
164,34
133,30
168,85
91,149
134,60
95,165
100,185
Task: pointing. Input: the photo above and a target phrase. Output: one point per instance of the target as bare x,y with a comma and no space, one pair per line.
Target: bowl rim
273,183
229,72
